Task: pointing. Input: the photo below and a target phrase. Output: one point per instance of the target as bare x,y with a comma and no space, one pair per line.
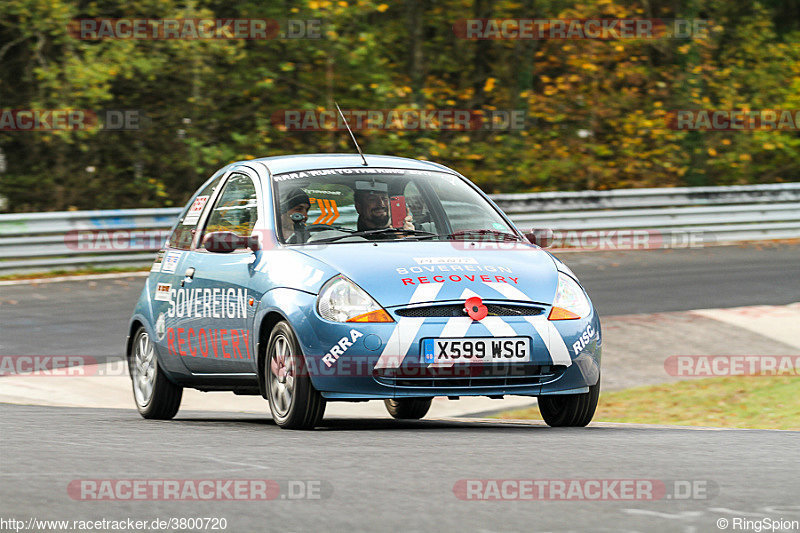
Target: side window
181,237
236,207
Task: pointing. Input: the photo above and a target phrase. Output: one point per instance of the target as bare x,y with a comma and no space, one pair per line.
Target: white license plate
476,349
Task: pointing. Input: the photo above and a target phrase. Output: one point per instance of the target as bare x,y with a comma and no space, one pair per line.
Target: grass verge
758,402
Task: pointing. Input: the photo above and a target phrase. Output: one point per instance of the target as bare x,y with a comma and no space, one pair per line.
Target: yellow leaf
712,152
383,7
487,88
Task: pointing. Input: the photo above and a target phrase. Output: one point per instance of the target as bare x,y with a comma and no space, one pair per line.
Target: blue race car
316,278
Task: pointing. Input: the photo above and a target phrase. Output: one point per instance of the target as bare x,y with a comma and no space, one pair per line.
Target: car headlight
341,300
570,302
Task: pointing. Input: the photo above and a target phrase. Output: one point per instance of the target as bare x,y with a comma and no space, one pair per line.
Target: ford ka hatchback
315,278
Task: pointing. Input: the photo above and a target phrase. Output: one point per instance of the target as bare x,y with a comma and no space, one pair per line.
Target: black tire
570,410
304,406
164,399
408,408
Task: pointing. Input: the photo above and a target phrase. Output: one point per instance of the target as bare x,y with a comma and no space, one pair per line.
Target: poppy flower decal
475,309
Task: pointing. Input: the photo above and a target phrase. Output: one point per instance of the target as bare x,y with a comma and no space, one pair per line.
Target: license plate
476,349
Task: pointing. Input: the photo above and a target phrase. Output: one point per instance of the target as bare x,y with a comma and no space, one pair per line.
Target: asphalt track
382,475
632,282
385,475
90,317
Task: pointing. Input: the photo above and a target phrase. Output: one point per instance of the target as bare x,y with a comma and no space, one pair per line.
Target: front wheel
293,400
570,410
408,408
156,396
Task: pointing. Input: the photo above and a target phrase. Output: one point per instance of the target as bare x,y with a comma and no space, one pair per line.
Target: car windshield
359,204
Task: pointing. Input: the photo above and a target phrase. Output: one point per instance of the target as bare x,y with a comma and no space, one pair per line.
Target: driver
372,205
294,201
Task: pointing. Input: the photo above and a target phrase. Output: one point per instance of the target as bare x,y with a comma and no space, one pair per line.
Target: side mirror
541,237
253,242
223,242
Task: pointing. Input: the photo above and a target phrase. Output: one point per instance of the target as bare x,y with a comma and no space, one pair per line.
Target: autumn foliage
596,111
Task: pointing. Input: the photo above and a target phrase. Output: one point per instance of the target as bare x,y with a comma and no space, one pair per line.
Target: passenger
373,210
294,201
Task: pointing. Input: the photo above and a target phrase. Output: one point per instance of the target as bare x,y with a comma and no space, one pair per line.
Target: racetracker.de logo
399,119
580,29
197,489
733,119
636,239
70,119
122,240
59,366
193,29
732,365
584,489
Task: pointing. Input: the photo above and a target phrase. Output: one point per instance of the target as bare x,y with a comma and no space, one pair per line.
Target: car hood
399,273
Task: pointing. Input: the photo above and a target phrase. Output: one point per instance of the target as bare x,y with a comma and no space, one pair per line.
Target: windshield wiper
380,231
500,234
323,227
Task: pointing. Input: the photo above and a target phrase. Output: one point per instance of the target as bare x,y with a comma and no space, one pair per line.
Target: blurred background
595,111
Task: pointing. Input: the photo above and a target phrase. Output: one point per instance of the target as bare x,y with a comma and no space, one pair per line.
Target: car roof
295,163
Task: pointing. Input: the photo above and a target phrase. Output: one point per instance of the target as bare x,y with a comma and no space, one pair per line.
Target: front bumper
382,360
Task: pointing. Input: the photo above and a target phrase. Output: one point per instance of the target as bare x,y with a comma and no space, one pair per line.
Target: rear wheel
293,400
570,410
156,396
408,408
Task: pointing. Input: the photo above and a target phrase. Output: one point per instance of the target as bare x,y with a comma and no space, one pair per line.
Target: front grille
472,376
451,310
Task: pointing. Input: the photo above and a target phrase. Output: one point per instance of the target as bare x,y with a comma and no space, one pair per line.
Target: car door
214,298
167,271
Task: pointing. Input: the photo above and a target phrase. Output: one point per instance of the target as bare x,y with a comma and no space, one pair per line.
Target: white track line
83,277
618,425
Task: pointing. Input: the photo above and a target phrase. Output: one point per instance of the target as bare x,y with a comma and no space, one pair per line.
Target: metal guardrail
66,240
128,237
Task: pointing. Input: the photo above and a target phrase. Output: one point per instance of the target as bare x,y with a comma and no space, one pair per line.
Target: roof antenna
351,135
